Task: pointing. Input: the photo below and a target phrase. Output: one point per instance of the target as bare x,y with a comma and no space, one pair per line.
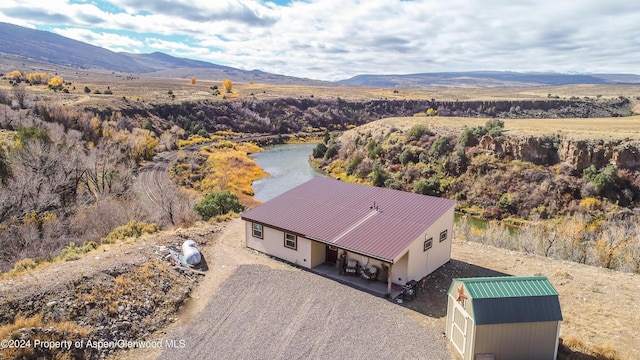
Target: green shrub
204,133
319,150
374,149
439,147
429,186
379,175
26,134
408,155
331,152
467,138
218,203
590,172
354,164
147,124
494,127
603,180
418,131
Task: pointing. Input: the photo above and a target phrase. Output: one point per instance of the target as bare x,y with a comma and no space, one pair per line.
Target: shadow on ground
431,299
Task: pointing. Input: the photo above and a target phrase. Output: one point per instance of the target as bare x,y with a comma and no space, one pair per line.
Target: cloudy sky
337,39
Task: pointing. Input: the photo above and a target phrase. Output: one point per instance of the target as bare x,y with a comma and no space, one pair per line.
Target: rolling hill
490,79
47,47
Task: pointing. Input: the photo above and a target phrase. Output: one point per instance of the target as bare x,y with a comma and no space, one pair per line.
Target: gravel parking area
260,312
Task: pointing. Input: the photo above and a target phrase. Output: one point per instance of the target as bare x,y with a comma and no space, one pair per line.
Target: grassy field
607,128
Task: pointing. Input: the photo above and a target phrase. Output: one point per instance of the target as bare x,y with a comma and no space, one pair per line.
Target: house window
257,230
443,236
428,244
290,241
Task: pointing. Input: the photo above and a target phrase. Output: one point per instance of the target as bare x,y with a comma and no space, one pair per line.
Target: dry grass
146,89
6,138
599,314
133,229
229,167
603,128
41,331
573,348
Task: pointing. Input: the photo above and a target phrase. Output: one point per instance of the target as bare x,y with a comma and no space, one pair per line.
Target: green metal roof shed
504,317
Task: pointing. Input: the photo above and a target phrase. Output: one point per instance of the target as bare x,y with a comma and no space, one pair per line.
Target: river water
288,166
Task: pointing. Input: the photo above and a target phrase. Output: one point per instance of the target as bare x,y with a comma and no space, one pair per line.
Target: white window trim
261,231
293,238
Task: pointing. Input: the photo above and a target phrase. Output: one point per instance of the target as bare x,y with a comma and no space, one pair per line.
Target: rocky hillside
492,171
579,154
125,292
289,115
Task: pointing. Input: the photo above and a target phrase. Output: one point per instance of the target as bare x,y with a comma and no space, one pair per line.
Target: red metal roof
341,213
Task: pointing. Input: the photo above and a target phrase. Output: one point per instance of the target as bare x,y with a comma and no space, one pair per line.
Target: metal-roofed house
506,317
408,235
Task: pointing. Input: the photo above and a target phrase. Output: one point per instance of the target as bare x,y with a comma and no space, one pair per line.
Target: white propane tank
191,253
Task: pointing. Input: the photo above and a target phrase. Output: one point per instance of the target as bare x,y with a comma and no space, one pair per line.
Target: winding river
288,166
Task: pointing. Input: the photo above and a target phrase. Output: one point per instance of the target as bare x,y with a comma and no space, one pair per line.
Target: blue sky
337,39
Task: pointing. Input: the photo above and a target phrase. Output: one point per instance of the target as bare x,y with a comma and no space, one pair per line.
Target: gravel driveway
265,313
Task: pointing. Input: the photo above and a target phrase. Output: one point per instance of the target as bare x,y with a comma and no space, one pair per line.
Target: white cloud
109,41
335,39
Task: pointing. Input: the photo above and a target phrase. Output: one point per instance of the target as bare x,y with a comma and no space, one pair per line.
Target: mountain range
47,47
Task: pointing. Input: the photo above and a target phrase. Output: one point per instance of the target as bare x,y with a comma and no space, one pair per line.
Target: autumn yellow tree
14,75
227,85
193,81
56,82
38,78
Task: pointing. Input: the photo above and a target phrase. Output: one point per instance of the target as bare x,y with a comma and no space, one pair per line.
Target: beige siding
399,270
272,243
517,341
318,253
422,263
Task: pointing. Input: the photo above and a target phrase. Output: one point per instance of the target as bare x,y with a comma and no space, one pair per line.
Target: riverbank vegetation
221,166
585,215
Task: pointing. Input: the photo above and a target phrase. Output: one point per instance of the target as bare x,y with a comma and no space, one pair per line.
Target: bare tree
4,167
4,97
21,95
614,237
107,171
175,205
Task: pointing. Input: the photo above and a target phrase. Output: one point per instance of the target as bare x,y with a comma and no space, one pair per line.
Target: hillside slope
490,79
59,50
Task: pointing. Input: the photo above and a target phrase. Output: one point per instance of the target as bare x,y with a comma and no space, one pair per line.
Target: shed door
459,328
